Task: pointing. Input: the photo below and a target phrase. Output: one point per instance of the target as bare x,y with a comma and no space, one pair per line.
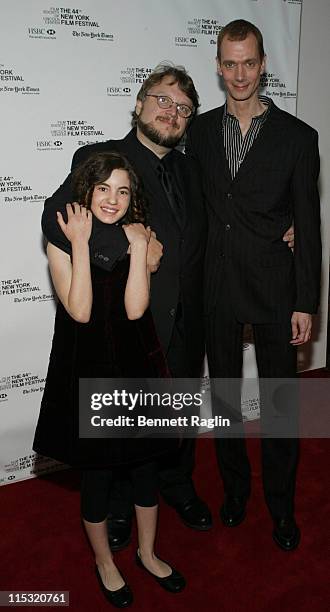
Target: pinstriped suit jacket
276,183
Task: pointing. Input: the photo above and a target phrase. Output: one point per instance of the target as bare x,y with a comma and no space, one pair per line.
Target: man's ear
138,107
263,65
219,71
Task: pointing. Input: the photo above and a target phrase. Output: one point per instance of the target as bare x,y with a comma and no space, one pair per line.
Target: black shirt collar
152,158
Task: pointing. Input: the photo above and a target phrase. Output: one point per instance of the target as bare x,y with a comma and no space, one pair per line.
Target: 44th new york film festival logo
63,130
13,190
23,291
198,29
32,464
26,383
274,87
71,19
128,81
12,81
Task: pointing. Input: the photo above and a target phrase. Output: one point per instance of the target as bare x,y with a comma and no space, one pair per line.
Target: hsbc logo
41,32
118,91
48,144
37,31
185,40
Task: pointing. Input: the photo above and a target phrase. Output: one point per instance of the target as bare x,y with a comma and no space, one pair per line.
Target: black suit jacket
179,277
276,183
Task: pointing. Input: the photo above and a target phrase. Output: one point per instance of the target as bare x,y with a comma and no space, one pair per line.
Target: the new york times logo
118,91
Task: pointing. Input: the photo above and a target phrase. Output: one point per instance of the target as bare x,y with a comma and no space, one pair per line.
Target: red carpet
228,570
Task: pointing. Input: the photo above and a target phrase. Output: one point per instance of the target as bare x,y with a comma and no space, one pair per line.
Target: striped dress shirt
237,147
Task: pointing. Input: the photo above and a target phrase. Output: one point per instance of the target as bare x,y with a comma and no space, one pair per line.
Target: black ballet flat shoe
121,598
286,534
174,583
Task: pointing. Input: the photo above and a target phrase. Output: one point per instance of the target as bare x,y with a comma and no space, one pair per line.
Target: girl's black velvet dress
109,345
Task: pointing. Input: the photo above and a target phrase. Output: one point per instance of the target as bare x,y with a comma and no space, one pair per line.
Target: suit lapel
215,140
271,132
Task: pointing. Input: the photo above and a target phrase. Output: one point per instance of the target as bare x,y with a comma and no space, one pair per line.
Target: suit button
229,196
228,227
221,254
172,312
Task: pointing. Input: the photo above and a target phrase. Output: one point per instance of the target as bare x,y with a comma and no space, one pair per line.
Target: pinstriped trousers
276,358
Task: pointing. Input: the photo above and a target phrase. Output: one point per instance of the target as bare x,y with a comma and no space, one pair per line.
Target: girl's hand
79,225
136,233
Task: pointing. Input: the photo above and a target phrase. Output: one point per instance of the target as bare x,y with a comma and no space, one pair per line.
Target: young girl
103,329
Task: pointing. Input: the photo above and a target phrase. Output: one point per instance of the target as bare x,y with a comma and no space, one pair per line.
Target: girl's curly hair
95,170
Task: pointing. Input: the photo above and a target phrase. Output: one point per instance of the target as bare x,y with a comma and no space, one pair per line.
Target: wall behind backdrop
69,75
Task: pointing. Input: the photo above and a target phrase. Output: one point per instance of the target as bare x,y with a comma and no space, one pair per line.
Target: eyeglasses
166,102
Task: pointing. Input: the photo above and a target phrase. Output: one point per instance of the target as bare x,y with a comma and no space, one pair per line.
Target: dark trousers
276,358
174,473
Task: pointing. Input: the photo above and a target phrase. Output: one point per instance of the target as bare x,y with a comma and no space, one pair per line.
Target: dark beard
150,132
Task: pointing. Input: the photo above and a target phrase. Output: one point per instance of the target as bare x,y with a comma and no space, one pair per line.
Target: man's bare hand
301,325
154,253
289,237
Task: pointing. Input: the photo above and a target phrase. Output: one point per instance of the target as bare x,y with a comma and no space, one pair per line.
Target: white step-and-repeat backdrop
69,74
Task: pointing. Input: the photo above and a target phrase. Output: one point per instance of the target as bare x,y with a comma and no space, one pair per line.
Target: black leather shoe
119,531
174,583
195,514
233,511
286,534
121,598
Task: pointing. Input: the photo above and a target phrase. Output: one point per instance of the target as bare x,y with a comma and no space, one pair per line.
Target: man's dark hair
95,170
179,75
239,30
